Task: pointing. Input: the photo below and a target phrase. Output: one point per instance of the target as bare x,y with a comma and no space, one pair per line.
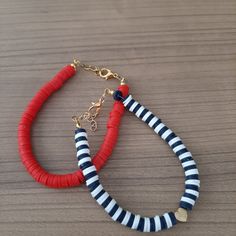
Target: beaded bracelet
29,115
117,213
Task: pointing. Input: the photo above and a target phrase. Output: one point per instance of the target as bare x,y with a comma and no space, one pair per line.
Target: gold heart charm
181,215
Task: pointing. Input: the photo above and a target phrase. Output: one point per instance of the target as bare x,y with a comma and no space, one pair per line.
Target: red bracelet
24,130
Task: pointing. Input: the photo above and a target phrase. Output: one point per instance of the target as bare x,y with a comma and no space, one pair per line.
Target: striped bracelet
117,213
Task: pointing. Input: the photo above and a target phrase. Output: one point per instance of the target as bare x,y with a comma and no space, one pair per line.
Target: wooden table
180,60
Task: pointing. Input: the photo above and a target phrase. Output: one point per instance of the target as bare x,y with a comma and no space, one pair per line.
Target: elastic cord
24,134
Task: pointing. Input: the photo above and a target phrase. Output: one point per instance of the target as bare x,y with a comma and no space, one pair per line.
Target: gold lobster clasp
94,110
103,73
106,73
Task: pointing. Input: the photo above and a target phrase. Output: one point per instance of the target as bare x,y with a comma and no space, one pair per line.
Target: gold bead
181,215
73,65
110,92
122,82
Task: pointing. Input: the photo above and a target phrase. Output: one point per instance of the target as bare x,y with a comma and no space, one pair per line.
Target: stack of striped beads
117,213
192,182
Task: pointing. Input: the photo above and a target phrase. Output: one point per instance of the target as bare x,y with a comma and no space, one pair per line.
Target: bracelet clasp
103,73
94,110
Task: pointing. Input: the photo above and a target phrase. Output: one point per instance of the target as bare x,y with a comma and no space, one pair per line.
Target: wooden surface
180,60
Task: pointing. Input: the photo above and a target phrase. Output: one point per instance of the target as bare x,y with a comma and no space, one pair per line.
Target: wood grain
179,57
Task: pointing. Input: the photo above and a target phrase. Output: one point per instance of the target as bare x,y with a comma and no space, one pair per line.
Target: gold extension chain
92,112
101,72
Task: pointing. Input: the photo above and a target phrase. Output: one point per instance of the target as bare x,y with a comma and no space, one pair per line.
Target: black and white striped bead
192,182
117,213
